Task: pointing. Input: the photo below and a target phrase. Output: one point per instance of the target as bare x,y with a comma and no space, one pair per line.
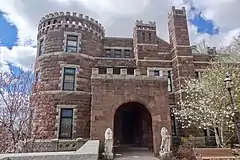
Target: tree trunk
217,138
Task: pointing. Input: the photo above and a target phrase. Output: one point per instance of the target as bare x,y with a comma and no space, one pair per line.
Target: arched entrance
133,126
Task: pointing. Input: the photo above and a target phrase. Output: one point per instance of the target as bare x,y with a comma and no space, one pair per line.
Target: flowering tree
206,103
17,132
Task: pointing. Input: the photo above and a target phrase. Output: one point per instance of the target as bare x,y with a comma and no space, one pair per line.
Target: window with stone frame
127,53
102,70
170,81
156,73
66,123
116,70
130,71
108,53
69,79
117,53
72,43
173,122
40,47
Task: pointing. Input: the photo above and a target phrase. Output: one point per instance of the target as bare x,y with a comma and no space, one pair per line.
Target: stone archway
133,126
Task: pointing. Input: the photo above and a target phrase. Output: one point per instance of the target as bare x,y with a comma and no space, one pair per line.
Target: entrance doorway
133,126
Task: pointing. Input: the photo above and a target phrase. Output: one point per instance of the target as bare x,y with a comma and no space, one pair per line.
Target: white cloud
224,14
21,56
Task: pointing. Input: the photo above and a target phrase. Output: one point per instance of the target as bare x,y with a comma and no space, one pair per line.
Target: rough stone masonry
114,80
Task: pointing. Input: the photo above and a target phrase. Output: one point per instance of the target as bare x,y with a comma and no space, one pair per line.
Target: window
37,76
118,53
173,123
102,70
72,43
198,75
169,81
150,36
116,70
127,54
156,73
130,71
40,49
69,79
108,53
143,36
66,123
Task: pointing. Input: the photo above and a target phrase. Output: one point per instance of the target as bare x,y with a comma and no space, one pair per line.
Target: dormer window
40,47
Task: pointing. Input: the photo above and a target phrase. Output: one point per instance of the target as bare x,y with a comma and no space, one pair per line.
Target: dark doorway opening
133,126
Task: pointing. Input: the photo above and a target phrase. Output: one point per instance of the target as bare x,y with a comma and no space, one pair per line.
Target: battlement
151,25
180,12
70,20
123,75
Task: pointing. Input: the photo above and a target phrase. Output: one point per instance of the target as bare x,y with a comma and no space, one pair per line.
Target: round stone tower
67,45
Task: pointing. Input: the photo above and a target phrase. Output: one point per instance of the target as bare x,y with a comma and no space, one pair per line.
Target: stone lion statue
166,141
108,145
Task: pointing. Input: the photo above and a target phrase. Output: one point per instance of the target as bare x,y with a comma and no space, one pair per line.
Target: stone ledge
89,151
129,77
66,92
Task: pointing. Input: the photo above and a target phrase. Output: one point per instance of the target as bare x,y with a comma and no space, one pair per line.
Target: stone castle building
127,84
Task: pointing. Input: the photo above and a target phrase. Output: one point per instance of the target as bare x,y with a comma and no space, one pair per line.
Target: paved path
132,154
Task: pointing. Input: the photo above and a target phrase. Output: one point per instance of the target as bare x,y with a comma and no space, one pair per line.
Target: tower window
69,79
169,81
66,123
150,36
72,43
40,49
117,53
127,53
37,76
143,36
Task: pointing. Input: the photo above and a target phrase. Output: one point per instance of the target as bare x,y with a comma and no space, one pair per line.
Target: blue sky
8,32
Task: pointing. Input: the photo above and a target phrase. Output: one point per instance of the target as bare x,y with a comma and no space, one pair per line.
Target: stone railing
57,145
123,75
89,151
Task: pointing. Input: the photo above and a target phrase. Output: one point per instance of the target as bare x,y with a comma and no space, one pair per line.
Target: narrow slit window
40,49
169,81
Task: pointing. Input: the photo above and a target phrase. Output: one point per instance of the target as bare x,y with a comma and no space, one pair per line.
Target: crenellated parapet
151,25
179,12
123,75
58,20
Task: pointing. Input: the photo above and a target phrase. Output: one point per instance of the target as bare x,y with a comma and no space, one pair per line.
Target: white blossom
207,102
